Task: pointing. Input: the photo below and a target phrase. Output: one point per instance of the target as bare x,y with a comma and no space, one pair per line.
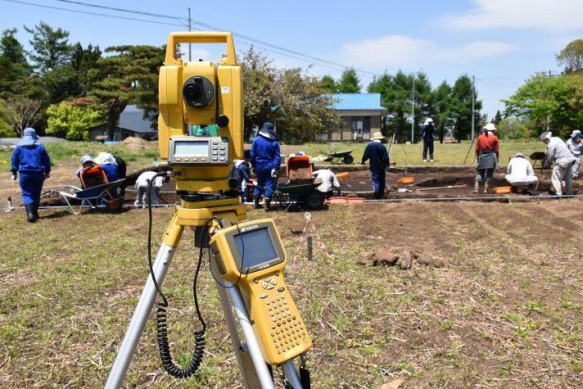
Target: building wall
370,122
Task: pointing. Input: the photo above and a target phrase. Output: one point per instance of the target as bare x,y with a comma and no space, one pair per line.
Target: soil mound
134,143
403,260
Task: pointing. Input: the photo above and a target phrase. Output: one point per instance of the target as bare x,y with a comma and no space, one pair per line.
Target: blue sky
500,42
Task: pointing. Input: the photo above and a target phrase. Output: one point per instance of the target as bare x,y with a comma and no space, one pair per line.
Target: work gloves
273,173
14,177
47,175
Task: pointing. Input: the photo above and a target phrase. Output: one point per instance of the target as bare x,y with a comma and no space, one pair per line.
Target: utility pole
413,113
473,105
189,29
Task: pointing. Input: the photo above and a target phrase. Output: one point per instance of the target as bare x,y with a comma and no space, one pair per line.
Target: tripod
254,370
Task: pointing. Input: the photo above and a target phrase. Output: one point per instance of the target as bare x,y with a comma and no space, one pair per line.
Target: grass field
483,294
142,153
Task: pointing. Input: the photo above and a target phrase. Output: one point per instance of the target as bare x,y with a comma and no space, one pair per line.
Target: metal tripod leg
134,331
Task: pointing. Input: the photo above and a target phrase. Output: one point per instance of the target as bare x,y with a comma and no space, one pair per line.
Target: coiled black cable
162,307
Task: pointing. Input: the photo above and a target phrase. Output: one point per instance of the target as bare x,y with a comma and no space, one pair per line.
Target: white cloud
565,15
397,52
392,51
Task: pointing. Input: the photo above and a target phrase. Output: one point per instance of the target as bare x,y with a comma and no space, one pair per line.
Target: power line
256,41
121,10
92,13
265,45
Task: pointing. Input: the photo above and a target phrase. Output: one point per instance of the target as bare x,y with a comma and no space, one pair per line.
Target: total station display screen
255,248
189,148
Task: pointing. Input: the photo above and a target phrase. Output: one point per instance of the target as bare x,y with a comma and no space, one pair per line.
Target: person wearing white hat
559,154
487,154
575,145
520,173
428,133
378,155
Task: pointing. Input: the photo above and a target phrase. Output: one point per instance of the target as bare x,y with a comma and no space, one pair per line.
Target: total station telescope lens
198,92
192,92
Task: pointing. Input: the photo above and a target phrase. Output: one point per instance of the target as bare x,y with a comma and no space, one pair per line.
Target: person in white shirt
142,184
328,180
575,145
520,173
559,154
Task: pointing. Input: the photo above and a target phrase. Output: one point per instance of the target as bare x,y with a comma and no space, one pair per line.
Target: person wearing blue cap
31,160
265,159
575,145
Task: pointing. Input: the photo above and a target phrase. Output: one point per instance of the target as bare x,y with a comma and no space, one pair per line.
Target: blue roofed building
360,116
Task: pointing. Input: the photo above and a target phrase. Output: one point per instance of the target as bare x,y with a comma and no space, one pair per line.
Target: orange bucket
502,190
343,175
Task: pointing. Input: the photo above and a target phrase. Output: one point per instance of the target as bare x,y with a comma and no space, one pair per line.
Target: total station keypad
287,330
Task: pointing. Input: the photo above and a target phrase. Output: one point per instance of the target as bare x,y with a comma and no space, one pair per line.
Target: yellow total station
251,255
200,93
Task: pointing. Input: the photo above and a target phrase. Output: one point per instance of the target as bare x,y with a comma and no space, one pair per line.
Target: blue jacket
378,155
265,154
243,171
428,131
110,171
31,159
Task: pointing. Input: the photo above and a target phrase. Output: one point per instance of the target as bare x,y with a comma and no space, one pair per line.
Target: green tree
14,68
305,110
349,82
83,62
51,47
73,119
6,130
497,118
571,57
441,110
21,112
546,100
396,96
422,102
128,76
514,128
258,95
328,85
462,108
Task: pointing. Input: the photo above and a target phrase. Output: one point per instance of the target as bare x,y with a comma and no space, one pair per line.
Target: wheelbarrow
344,155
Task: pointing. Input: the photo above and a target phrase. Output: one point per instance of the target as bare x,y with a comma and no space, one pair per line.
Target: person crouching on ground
243,174
520,174
109,165
575,145
31,160
487,154
265,159
558,154
145,196
328,182
379,162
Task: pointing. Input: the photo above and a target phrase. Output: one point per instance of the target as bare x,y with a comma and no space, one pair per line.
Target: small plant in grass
534,306
446,325
575,365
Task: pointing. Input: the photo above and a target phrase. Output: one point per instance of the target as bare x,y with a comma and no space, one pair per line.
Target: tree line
63,89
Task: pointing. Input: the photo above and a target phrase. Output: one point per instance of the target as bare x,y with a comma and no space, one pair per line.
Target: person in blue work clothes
31,160
265,159
378,155
428,131
243,174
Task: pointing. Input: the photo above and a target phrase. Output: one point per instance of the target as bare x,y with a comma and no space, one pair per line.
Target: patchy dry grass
503,311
